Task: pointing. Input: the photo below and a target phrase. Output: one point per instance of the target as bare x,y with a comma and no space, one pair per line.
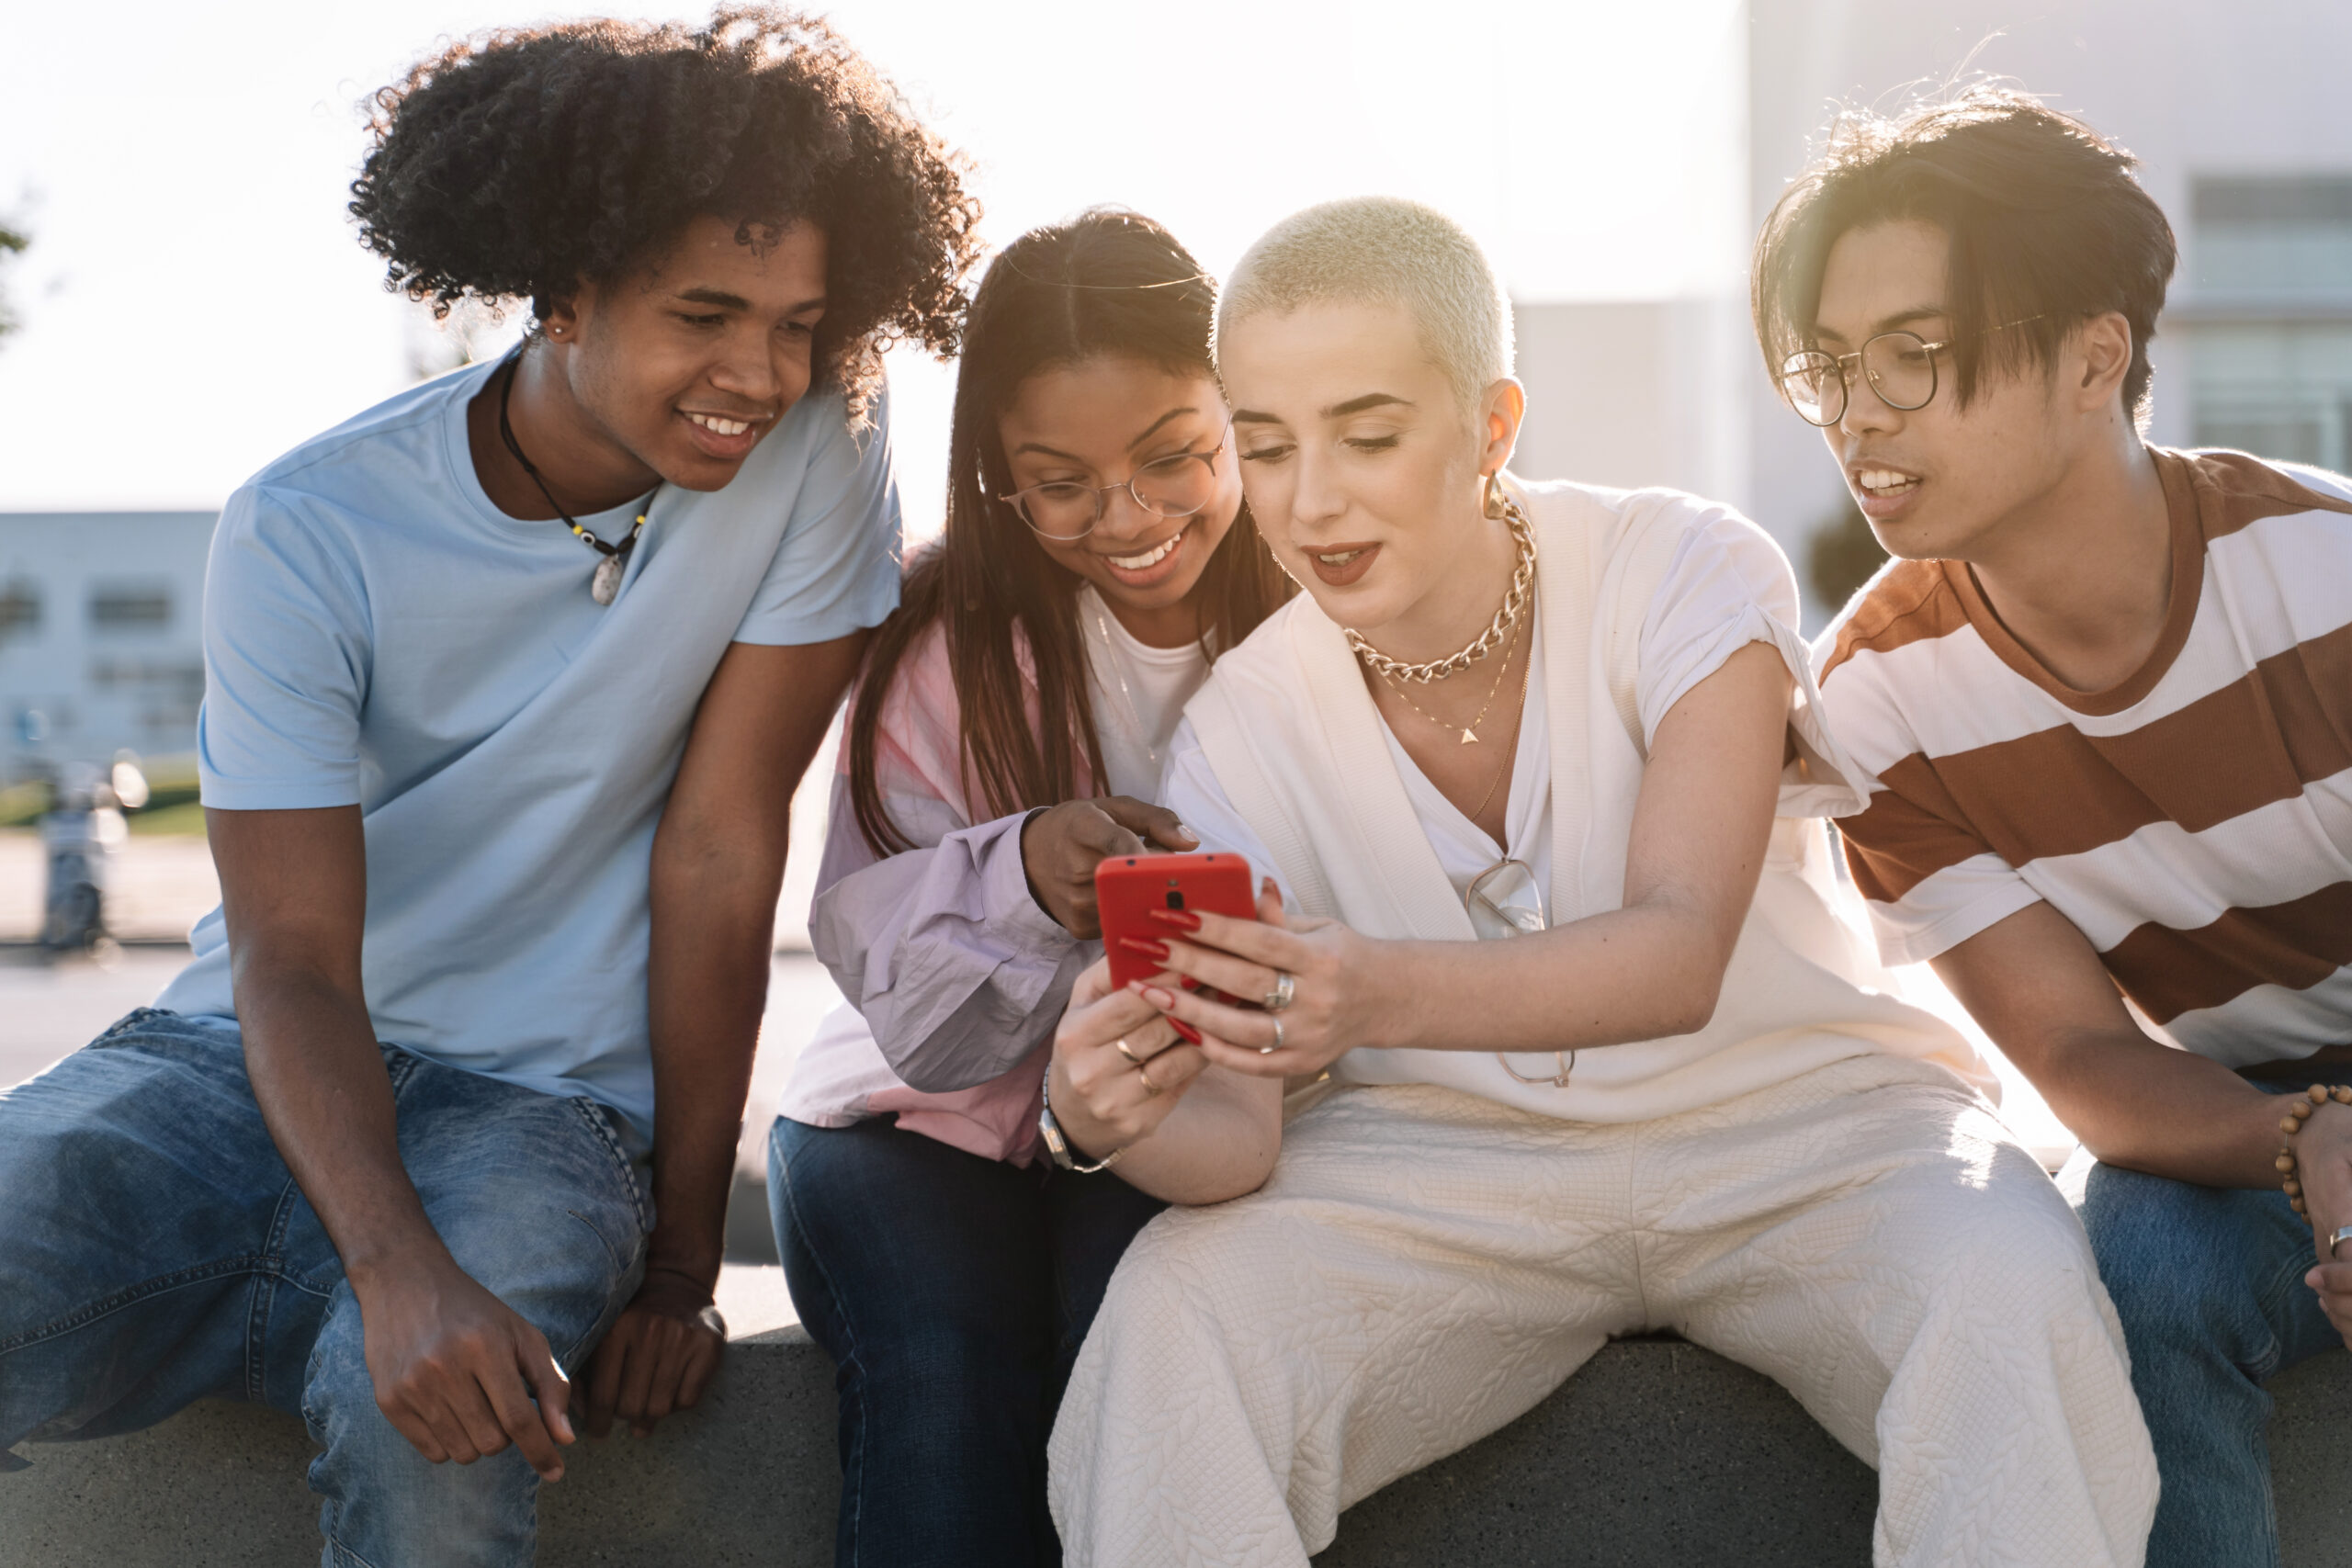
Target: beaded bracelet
2298,1110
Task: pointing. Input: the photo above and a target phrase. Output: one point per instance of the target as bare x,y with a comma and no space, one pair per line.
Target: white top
1140,695
1704,611
1280,761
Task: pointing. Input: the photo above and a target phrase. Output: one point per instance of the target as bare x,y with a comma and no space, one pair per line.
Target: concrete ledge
1657,1452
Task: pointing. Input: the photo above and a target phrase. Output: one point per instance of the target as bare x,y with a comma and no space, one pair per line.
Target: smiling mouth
719,426
1151,557
1339,558
1881,484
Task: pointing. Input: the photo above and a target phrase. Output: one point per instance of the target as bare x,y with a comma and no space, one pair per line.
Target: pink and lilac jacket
956,977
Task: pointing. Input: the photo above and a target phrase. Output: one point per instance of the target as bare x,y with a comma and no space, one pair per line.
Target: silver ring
2343,1234
1285,990
1120,1046
1269,1050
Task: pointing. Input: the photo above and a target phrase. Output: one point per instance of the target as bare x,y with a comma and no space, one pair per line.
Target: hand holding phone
1060,849
1129,887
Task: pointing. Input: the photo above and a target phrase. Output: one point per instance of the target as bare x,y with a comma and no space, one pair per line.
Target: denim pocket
628,1187
136,1021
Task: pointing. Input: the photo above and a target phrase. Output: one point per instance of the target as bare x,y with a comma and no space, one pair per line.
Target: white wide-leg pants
1425,1266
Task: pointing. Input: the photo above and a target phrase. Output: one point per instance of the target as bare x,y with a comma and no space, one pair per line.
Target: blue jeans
952,1293
154,1250
2208,1283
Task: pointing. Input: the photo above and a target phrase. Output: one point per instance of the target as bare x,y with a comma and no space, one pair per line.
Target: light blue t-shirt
377,633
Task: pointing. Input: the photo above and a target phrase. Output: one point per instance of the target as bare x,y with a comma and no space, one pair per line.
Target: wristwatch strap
1058,1144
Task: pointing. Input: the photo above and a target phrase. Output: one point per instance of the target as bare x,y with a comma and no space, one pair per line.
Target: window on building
2272,236
19,608
2270,315
131,606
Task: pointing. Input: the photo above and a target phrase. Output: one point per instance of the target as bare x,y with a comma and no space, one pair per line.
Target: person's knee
1180,1271
560,1241
2020,1258
384,1502
2177,1259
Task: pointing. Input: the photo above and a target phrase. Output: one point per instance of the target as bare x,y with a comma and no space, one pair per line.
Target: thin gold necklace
1510,753
1470,730
1118,669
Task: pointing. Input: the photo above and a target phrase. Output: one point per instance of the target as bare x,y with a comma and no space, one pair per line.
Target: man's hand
2323,1167
658,1356
457,1371
1060,849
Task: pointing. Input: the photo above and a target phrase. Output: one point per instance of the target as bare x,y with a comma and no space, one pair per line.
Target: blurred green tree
1840,556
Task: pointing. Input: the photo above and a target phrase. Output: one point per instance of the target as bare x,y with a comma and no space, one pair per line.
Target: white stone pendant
605,586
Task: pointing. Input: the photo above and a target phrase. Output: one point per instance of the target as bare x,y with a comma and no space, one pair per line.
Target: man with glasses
2105,691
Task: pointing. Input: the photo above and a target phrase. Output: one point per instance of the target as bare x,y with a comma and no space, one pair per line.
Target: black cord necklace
605,586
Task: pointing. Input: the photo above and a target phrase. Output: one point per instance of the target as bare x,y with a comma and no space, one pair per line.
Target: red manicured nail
1181,919
1154,951
1184,1032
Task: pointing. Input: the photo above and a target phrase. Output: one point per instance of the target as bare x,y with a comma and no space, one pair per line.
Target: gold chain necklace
1470,730
1523,579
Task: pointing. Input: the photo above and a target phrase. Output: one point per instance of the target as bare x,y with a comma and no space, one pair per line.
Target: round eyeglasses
1900,366
1174,486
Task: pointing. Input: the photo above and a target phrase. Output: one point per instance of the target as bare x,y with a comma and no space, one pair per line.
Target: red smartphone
1129,887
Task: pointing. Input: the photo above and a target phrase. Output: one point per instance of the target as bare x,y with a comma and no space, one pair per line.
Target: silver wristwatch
1057,1145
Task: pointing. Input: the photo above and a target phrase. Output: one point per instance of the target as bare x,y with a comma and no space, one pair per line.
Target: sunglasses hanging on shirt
1504,901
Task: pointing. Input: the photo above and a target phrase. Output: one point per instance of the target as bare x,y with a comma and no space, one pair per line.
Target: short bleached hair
1383,250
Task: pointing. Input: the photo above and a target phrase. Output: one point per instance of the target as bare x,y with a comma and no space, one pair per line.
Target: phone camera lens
1175,898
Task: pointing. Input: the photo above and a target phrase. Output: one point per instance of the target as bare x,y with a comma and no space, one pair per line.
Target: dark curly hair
517,163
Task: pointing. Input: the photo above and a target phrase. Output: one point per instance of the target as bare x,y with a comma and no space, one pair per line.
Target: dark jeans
952,1293
2208,1283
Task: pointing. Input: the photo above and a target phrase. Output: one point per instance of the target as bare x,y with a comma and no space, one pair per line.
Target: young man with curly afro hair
510,680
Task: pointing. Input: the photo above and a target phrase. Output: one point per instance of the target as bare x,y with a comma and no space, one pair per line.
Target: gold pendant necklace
1510,753
1470,730
1118,669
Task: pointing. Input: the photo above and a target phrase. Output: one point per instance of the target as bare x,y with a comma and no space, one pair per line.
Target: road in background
49,1009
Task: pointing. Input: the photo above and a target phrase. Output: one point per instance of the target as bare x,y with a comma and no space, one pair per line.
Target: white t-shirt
1140,695
1714,600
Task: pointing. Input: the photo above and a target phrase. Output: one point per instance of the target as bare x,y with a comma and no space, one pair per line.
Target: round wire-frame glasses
1900,366
1064,510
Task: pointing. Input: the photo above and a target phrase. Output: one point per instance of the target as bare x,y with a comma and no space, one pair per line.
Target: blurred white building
100,642
2235,114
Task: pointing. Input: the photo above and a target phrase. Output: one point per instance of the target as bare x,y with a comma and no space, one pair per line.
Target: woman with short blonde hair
1588,1042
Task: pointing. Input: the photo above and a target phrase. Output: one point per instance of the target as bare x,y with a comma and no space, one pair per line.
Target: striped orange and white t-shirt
2194,821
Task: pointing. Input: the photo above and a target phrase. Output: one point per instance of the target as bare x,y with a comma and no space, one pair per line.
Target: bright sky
195,302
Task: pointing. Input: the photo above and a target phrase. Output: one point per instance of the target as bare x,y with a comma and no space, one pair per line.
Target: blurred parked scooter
80,833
